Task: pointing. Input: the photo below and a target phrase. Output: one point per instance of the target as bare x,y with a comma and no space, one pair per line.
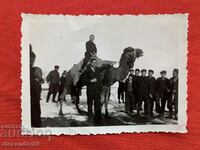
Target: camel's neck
123,71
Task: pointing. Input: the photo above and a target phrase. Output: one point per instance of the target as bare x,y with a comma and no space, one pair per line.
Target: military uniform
54,79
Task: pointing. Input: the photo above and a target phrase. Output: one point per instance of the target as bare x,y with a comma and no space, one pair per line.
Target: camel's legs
106,98
102,97
61,110
61,100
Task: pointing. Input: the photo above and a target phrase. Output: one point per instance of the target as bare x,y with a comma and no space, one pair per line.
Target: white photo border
25,97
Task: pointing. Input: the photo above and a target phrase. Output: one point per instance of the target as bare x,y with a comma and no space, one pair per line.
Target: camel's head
139,53
129,55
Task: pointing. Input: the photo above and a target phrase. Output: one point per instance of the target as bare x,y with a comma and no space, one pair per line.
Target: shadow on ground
121,119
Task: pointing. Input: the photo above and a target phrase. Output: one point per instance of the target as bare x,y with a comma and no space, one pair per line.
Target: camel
111,75
117,74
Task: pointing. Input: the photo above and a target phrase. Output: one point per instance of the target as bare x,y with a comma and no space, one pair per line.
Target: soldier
144,93
35,90
173,100
91,50
152,88
62,84
129,94
53,79
120,91
92,79
162,84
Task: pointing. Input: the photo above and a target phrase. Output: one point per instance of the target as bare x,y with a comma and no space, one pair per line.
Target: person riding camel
91,51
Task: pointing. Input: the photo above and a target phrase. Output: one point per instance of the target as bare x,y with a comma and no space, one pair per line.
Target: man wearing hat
152,88
144,93
91,50
53,79
173,100
162,85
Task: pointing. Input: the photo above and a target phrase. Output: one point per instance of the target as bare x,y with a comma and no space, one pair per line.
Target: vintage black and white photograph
104,74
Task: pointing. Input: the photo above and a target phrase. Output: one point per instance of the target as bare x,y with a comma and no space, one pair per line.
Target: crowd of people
145,89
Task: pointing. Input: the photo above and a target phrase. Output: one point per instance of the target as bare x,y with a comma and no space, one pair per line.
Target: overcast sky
60,40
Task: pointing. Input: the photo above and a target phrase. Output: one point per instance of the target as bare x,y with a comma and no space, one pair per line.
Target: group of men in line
153,92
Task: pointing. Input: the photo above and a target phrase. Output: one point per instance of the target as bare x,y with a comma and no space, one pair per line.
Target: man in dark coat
136,81
144,93
35,90
92,79
162,87
173,100
152,89
53,78
129,94
91,50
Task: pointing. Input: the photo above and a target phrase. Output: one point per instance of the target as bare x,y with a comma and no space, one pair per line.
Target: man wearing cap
91,50
152,88
53,79
92,79
173,100
131,72
162,85
144,93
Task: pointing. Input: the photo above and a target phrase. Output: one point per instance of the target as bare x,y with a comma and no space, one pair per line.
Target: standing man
53,78
144,93
129,94
120,91
152,88
62,84
162,84
91,50
35,90
136,81
173,100
92,79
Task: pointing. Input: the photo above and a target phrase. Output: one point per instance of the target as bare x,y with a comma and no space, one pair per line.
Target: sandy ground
50,114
